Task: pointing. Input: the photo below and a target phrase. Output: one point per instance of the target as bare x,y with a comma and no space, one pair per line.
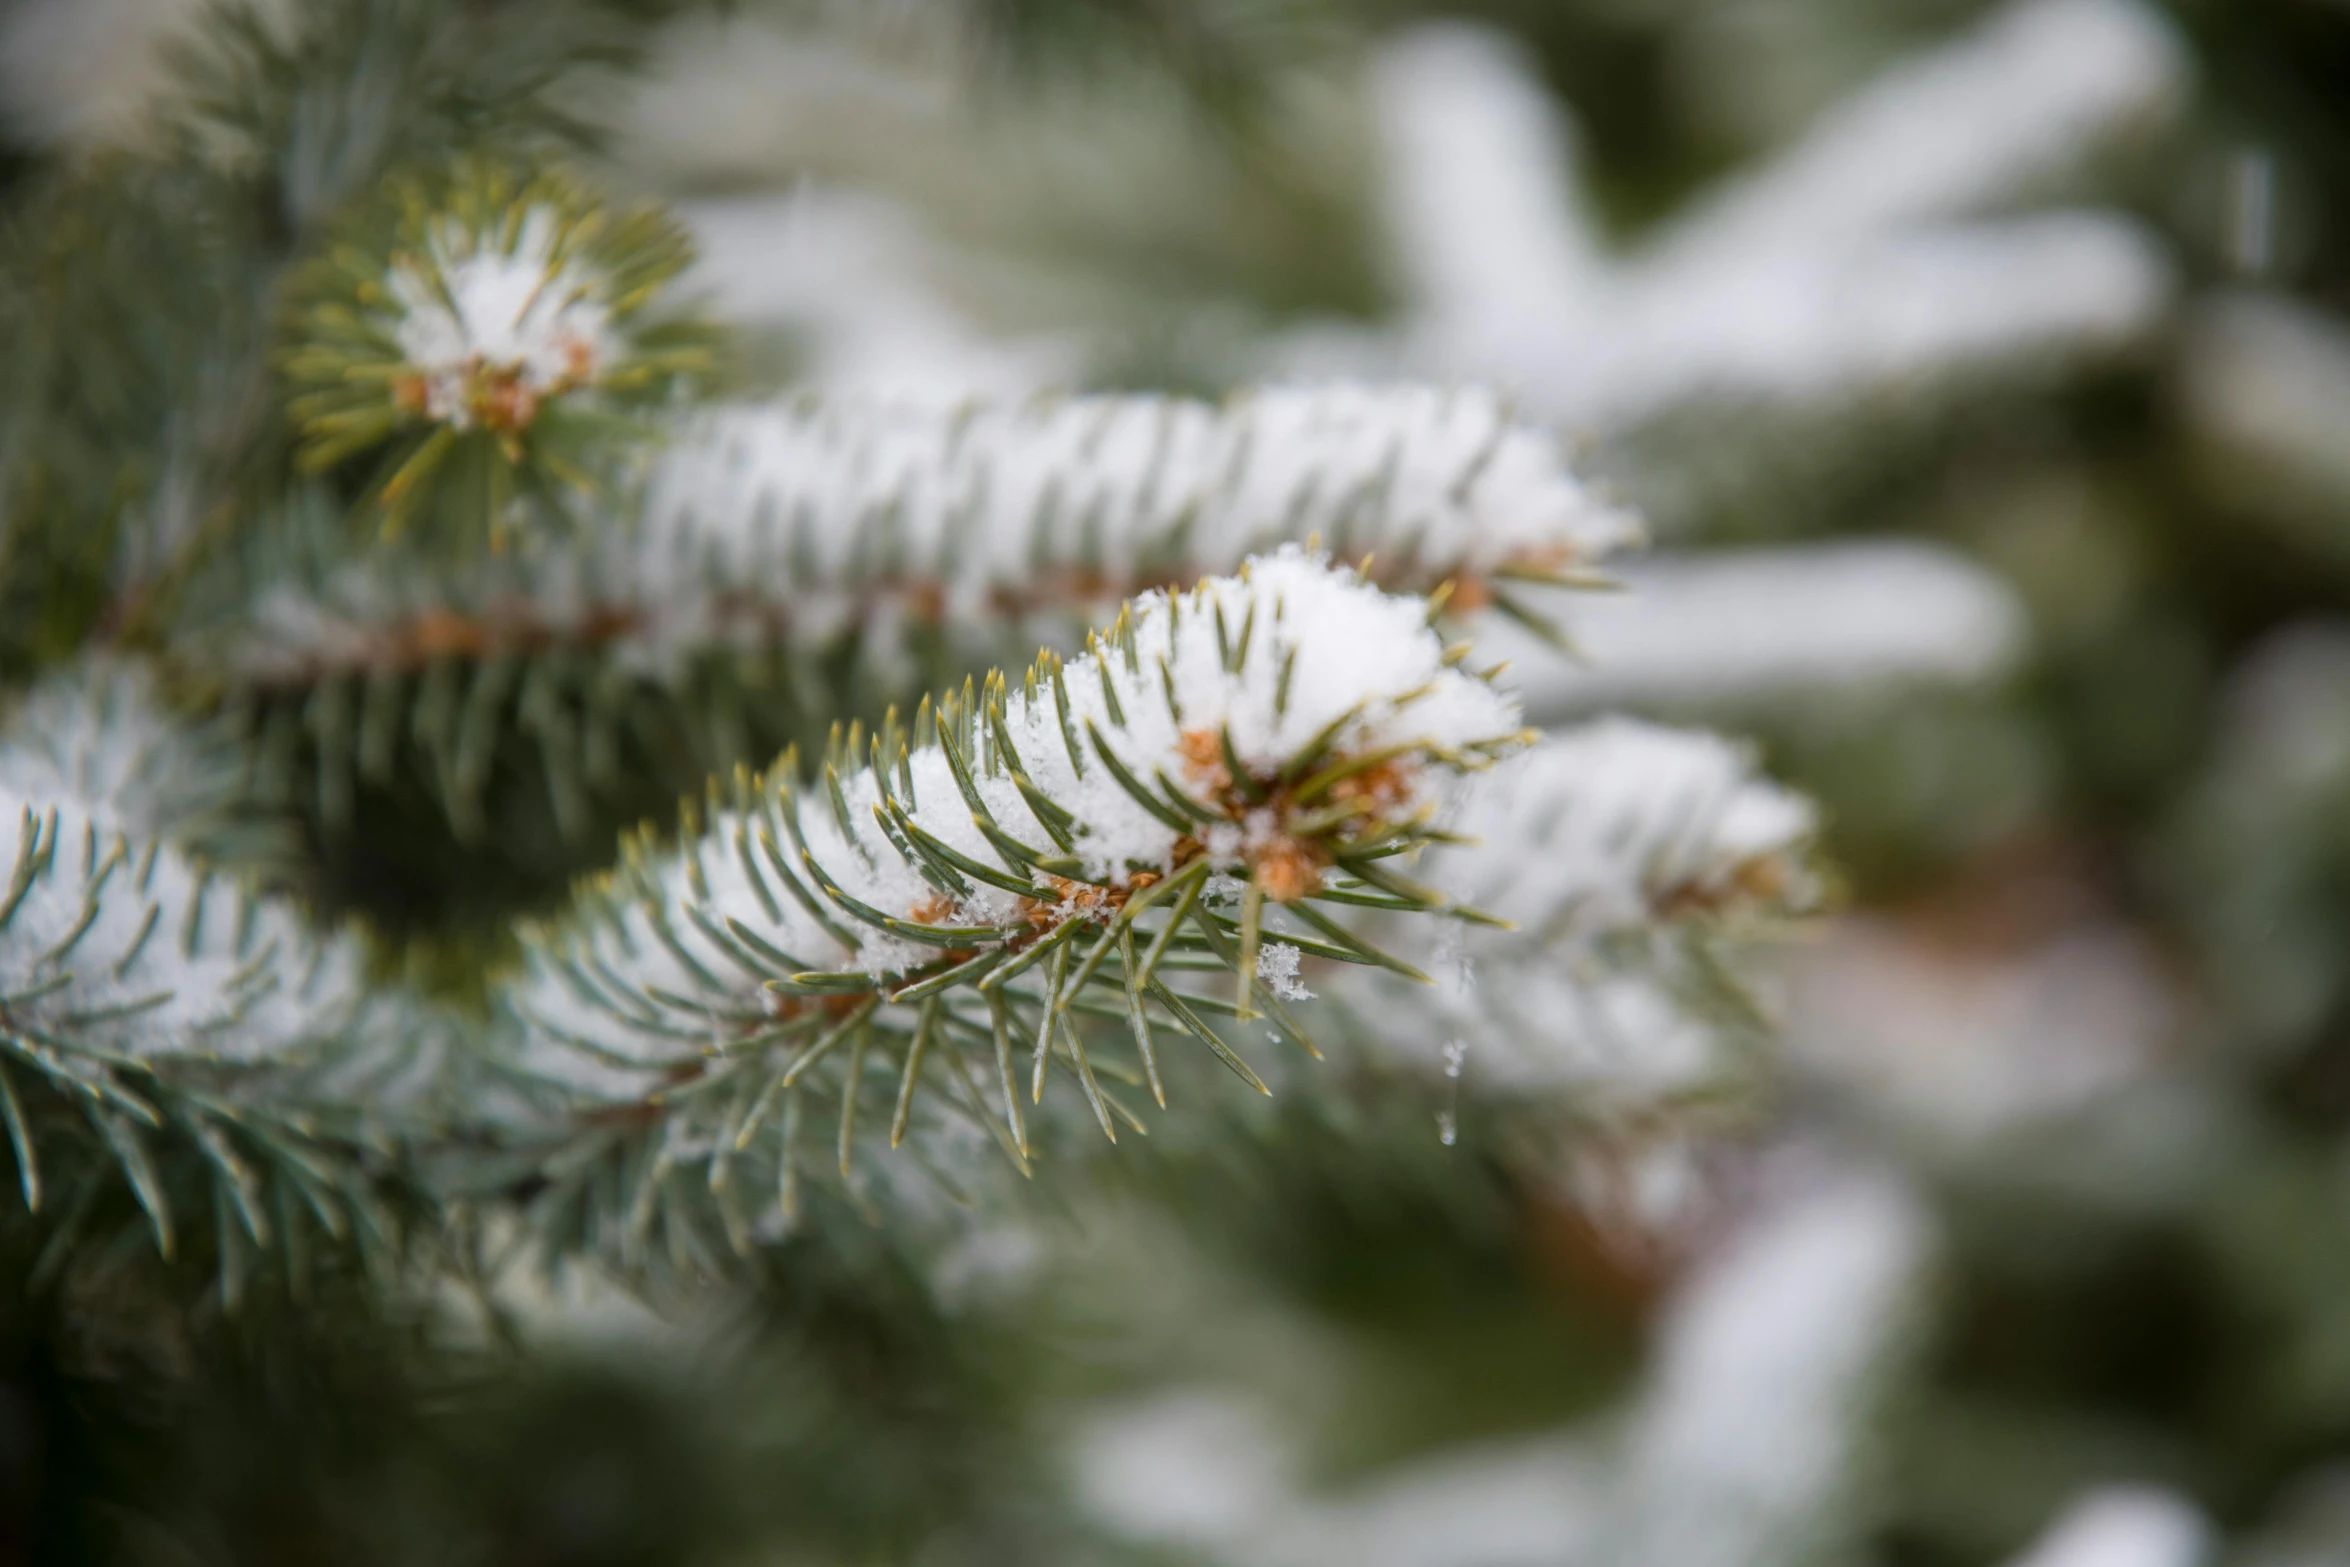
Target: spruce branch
1834,304
165,1031
1022,881
96,735
794,564
1619,825
792,522
99,735
1631,861
164,1017
977,513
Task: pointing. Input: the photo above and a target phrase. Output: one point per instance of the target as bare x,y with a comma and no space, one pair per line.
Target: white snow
469,305
96,737
1277,964
1599,828
1755,1412
2124,1526
200,966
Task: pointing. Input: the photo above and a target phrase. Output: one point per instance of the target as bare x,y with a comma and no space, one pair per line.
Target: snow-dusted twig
1620,825
2007,111
1607,847
113,939
1838,273
121,947
480,337
1740,629
1029,878
794,523
1275,728
147,1004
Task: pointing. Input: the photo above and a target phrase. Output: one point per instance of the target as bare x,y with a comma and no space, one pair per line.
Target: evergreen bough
400,557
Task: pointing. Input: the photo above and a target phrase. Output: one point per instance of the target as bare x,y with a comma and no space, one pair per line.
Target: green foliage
487,336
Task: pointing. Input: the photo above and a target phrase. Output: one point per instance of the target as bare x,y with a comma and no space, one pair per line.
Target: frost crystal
490,332
1277,963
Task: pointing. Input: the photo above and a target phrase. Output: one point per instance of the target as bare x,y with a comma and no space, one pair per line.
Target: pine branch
2016,108
95,736
1809,318
973,513
798,564
1763,1413
98,736
1620,824
1629,860
786,522
1022,884
164,1031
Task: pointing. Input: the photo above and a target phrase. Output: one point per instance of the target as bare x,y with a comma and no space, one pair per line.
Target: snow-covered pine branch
1023,881
2012,110
1621,825
980,514
1731,632
794,521
97,737
1864,273
1616,851
157,1019
120,946
1753,1436
904,543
